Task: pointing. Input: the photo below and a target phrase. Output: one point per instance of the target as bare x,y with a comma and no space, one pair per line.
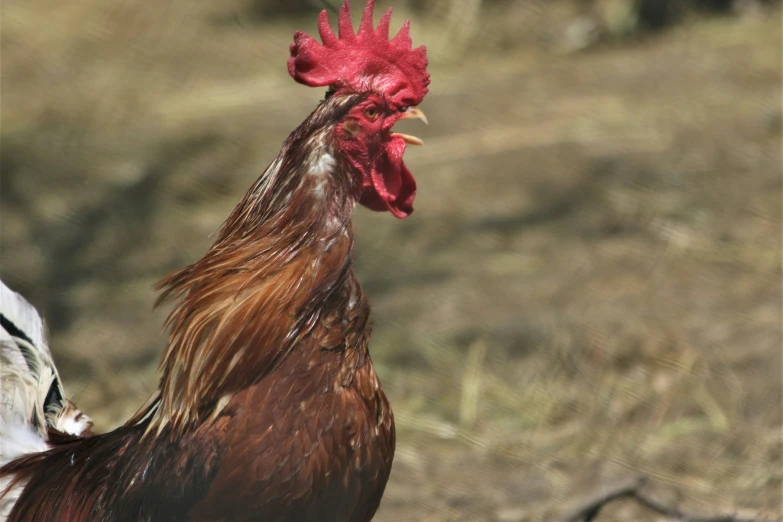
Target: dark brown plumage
268,406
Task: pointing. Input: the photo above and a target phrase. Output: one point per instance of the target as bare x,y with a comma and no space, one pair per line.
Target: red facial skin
375,153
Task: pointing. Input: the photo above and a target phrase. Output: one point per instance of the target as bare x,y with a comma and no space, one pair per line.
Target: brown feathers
260,288
268,406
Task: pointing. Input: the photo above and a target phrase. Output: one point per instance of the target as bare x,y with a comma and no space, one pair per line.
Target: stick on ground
589,508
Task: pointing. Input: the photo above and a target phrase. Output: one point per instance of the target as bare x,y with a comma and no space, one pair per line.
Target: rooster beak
412,140
412,113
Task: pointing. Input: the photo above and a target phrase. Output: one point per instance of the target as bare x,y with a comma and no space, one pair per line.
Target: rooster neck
280,267
268,339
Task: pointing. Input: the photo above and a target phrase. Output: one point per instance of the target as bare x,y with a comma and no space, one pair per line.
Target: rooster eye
371,113
403,108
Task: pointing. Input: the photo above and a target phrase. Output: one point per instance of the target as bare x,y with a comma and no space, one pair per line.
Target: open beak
412,113
412,140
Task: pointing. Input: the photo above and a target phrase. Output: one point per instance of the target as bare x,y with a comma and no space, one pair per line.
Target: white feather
27,376
17,439
321,169
23,316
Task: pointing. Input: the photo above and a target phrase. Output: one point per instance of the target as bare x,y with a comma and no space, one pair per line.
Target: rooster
268,406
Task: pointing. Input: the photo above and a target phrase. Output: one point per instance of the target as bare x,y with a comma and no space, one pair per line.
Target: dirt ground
590,286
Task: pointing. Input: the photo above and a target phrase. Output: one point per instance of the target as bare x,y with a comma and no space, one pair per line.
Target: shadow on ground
589,287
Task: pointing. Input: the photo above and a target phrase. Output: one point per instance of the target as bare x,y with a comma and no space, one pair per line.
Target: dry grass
590,286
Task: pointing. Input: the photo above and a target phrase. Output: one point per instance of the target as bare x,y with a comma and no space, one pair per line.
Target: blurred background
588,289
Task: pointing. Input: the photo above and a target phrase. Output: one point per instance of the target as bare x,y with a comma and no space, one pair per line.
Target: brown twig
588,509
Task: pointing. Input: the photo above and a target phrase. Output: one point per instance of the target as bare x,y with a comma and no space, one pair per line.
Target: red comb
367,60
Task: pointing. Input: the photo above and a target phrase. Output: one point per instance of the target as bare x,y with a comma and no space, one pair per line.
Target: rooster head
392,78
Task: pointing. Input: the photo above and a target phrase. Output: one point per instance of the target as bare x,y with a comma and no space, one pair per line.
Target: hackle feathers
255,294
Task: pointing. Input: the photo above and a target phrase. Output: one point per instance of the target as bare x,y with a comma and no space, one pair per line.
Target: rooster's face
391,78
375,152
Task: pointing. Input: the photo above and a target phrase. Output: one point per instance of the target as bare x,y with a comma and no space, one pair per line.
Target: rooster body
268,407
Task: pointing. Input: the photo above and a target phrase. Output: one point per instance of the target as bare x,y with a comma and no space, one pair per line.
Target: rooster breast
313,441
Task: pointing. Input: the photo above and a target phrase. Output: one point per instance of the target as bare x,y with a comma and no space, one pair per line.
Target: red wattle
391,186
